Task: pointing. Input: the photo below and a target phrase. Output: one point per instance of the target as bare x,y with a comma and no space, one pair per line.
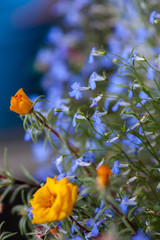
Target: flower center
51,200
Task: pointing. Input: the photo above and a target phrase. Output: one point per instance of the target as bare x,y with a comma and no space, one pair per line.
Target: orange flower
103,175
54,201
20,103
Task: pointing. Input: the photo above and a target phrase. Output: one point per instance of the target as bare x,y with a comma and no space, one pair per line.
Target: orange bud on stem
20,103
103,175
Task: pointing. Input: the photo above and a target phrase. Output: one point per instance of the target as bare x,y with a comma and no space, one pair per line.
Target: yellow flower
20,103
54,201
103,175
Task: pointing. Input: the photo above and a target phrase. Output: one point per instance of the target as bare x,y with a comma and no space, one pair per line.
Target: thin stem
120,214
74,150
47,126
78,224
17,181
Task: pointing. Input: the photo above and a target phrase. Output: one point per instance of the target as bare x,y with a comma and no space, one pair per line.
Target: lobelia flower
153,17
115,168
158,59
79,162
95,77
91,58
150,74
54,201
125,203
96,117
30,214
135,57
140,236
95,100
77,116
103,175
76,90
20,103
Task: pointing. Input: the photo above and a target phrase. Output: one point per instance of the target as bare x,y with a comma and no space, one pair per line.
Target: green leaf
16,191
28,175
5,193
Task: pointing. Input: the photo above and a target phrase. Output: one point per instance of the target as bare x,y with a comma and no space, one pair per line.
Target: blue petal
95,231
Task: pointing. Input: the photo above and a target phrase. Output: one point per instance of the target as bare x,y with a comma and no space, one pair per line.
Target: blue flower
79,162
125,202
95,77
90,222
76,116
95,231
109,213
123,205
100,208
89,156
115,107
144,98
54,35
30,214
150,74
76,91
153,16
91,58
41,153
140,236
159,62
96,117
27,135
115,168
95,100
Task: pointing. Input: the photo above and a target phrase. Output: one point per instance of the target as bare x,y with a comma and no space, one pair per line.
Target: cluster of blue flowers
102,99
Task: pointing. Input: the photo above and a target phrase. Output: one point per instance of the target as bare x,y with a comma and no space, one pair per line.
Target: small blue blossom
125,202
90,222
95,231
109,213
76,116
78,238
123,205
115,107
89,156
95,100
96,116
54,35
150,74
27,135
144,97
115,168
91,58
135,57
30,214
95,77
76,91
140,236
41,153
100,208
79,162
153,16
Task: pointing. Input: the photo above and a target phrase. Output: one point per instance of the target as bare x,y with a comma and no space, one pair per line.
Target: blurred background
23,25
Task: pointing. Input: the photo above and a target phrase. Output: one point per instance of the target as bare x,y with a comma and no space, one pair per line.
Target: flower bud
103,175
20,103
